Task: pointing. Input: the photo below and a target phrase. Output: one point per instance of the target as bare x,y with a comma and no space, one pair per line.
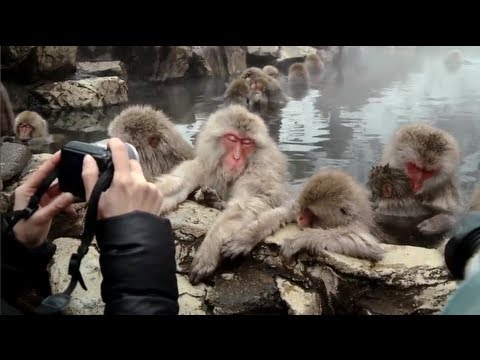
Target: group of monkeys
236,167
262,89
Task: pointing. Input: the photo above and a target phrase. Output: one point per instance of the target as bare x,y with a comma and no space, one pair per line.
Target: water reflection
340,126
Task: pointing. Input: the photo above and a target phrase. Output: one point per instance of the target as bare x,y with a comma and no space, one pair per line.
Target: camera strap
14,217
54,304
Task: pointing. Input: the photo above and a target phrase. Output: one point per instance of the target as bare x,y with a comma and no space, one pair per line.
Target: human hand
33,231
129,191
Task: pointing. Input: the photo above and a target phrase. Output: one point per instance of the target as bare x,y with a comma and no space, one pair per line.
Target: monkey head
271,71
331,198
29,125
253,73
386,182
232,138
429,156
238,88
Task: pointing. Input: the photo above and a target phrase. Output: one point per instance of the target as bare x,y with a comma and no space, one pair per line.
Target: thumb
46,213
89,175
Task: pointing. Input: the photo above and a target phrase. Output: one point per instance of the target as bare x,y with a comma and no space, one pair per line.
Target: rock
292,54
86,93
84,121
6,201
101,68
14,158
82,302
213,56
299,301
54,62
15,54
269,51
64,225
190,298
94,53
236,60
190,222
409,280
175,65
35,161
250,290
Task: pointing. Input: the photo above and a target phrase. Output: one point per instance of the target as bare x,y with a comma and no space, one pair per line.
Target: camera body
462,251
71,163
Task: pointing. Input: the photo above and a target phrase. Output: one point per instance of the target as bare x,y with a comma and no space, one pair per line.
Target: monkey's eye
27,126
231,138
247,142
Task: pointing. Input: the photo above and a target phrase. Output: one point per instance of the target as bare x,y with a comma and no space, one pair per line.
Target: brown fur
261,186
238,92
40,128
271,71
454,60
475,205
314,65
430,148
298,75
6,113
158,142
273,90
344,218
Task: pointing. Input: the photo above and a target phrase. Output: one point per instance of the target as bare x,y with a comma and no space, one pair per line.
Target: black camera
71,163
464,246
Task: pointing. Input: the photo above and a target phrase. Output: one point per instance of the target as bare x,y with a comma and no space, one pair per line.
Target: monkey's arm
266,224
354,240
437,224
177,185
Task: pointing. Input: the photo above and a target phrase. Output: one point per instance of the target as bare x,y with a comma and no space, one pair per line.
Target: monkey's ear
387,190
153,141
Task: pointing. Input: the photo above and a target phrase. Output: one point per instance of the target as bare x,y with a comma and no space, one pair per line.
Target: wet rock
292,54
262,55
82,302
236,60
190,222
101,68
54,62
190,298
64,225
409,280
35,162
95,53
84,121
175,65
14,158
248,290
299,301
214,60
15,54
86,93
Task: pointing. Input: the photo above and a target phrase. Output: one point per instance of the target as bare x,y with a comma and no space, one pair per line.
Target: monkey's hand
437,224
242,243
291,246
204,263
208,197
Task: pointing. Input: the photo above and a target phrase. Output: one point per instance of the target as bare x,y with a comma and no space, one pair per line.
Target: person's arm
137,259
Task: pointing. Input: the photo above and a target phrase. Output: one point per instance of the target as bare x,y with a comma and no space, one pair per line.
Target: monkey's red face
238,149
305,218
24,131
418,176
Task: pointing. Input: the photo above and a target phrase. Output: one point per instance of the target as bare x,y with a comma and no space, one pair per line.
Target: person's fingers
136,170
57,205
120,157
42,172
89,175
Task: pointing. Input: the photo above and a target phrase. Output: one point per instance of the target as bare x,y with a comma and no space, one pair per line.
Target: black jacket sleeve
137,259
23,267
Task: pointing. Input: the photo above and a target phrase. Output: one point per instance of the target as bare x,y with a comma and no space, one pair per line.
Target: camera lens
464,244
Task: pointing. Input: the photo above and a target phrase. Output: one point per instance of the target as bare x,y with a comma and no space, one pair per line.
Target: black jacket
137,260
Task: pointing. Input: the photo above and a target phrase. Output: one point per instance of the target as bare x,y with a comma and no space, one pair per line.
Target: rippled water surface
341,126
